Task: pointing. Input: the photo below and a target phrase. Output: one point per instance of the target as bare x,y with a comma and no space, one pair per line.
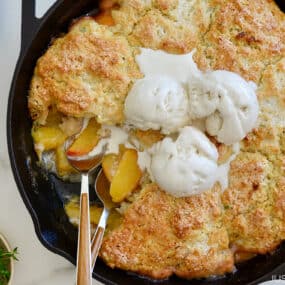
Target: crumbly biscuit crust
88,73
85,73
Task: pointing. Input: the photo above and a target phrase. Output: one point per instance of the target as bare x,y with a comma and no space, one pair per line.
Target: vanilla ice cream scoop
158,103
160,63
186,166
226,101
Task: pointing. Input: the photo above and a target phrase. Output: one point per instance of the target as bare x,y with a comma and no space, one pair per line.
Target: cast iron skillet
44,194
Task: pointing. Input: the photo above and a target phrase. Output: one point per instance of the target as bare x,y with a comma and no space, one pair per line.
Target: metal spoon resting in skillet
102,187
84,164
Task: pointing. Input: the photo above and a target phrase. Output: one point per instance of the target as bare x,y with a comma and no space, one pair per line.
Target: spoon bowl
102,188
84,164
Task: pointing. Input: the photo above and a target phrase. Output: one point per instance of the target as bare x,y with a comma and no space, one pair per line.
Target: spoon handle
98,236
83,273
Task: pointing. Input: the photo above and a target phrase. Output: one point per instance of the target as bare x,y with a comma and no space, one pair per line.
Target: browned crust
85,73
162,235
248,38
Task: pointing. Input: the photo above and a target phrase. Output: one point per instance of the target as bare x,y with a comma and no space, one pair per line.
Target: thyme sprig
5,257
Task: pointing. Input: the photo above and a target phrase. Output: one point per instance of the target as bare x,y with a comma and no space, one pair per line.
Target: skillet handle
29,23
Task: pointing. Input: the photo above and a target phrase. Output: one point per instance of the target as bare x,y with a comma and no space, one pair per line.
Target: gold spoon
84,164
102,187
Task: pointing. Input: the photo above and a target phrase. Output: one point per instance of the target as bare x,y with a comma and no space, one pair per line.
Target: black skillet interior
44,194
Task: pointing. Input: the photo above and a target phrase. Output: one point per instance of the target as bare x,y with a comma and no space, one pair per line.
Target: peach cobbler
189,99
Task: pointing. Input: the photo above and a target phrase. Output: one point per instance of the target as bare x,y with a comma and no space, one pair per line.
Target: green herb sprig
5,257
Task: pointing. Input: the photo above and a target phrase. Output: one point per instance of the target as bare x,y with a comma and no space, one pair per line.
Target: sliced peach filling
121,169
72,211
123,172
86,141
105,15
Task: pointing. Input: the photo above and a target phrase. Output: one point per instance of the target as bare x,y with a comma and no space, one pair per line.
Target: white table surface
36,265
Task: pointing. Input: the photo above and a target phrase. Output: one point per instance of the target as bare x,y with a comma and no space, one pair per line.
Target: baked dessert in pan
88,73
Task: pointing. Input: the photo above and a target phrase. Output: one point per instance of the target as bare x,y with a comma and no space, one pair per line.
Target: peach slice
72,211
86,141
126,177
149,137
114,220
105,15
105,18
62,165
110,164
47,138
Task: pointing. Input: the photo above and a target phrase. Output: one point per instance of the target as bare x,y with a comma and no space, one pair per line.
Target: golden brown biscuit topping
88,73
85,73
